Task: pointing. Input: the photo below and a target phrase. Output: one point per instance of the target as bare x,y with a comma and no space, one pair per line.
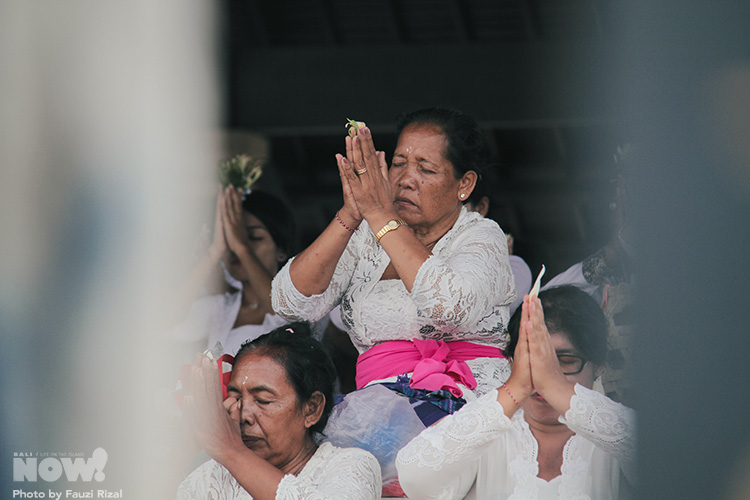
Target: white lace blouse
463,291
478,453
332,473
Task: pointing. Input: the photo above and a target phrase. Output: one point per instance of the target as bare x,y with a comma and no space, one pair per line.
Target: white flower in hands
535,289
353,126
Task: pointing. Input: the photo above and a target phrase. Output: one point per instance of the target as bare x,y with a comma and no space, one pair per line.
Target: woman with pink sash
424,285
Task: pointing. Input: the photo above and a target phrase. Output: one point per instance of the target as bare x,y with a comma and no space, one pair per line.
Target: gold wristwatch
390,226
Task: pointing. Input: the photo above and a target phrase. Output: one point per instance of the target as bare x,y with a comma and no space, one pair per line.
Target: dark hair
466,147
275,215
308,366
573,312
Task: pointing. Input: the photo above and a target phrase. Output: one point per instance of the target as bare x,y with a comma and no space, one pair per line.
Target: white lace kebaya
331,474
480,454
462,292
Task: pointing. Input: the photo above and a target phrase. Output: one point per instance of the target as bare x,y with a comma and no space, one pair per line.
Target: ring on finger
361,171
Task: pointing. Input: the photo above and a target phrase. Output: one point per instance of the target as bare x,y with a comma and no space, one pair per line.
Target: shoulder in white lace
606,423
444,457
332,473
211,480
336,474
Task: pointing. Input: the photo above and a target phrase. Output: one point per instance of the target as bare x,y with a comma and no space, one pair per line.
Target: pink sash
435,364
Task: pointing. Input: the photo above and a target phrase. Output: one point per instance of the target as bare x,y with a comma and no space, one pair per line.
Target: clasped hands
229,227
364,179
535,367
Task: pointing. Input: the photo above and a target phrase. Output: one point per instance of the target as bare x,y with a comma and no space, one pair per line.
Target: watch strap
389,226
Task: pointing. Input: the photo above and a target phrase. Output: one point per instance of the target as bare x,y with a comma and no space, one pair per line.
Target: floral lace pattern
490,374
440,446
332,473
609,424
479,451
462,292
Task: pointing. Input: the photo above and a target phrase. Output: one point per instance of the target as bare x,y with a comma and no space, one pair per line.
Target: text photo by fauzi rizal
434,249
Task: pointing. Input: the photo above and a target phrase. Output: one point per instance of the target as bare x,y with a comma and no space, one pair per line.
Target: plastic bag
375,419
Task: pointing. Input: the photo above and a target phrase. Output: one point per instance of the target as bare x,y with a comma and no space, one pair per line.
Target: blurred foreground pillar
107,112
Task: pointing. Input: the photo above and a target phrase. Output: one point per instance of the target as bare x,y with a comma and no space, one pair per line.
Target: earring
463,195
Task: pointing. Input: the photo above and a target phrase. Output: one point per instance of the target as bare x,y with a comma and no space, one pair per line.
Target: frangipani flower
535,289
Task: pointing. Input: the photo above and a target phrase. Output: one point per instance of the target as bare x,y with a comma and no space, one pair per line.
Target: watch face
393,224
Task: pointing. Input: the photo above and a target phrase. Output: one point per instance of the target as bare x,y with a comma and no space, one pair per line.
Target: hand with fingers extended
215,423
218,242
546,373
520,385
364,176
235,229
349,212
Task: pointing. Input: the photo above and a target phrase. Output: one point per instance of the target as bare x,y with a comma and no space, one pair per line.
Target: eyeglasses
571,364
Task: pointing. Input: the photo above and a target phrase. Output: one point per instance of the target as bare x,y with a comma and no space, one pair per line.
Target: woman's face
425,189
272,421
536,408
261,244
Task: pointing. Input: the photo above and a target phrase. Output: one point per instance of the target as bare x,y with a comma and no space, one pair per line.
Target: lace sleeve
609,425
442,461
349,474
468,276
292,305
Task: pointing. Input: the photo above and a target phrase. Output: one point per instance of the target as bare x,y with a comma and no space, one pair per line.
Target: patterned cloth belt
436,364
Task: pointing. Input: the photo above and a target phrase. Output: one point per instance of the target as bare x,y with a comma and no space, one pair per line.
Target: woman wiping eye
264,438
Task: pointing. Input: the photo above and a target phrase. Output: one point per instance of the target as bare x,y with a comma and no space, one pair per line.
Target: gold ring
361,171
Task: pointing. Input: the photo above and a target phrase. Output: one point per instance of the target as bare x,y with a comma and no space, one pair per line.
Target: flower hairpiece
240,171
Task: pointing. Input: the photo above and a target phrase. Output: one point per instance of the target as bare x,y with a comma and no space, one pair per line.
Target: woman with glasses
544,434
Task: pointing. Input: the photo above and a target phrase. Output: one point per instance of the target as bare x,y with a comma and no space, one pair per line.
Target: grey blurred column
686,91
106,115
